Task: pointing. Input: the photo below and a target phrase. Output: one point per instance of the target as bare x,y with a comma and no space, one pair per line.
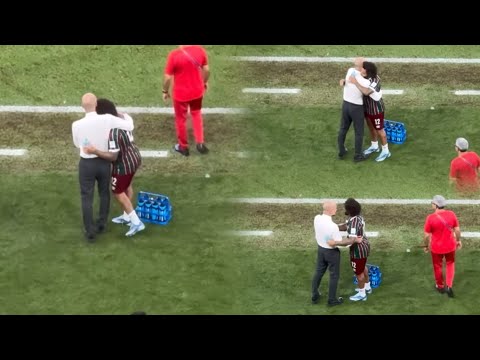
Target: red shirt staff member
442,239
188,67
464,168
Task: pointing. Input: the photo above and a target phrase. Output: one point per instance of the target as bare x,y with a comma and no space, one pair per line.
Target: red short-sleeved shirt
443,239
467,178
186,69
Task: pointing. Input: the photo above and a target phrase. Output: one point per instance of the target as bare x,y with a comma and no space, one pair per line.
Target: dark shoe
359,158
450,292
341,155
90,238
181,150
202,149
440,290
100,229
315,299
336,302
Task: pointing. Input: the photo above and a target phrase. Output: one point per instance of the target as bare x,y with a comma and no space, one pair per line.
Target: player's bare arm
345,242
110,156
365,91
342,226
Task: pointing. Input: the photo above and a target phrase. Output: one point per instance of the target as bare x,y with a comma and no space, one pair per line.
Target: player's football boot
358,297
383,155
371,150
120,220
135,229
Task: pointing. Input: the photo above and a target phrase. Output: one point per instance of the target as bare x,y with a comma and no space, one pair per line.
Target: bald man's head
358,62
89,102
329,207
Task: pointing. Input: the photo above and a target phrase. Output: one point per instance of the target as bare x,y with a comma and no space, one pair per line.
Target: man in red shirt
464,168
188,67
442,239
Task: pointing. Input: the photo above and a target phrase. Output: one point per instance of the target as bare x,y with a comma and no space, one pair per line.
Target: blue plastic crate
374,274
396,132
154,208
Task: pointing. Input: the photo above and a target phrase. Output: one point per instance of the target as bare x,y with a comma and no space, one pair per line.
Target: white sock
134,218
125,216
367,286
385,148
375,144
362,292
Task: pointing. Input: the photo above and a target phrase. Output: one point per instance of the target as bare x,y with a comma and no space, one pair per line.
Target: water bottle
148,210
155,211
140,210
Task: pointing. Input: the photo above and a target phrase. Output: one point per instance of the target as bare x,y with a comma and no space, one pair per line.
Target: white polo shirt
325,229
94,129
351,93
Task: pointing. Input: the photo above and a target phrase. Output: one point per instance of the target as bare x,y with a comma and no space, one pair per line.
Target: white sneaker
120,220
384,155
358,297
369,291
370,150
135,228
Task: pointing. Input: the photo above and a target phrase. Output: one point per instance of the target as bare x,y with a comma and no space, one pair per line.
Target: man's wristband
165,91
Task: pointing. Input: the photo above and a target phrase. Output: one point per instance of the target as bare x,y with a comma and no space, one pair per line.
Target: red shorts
120,183
358,265
377,120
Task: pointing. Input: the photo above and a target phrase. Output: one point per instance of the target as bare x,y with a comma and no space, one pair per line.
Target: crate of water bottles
374,274
154,208
396,132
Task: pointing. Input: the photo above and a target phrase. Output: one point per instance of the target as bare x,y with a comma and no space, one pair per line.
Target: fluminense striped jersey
129,158
371,106
356,227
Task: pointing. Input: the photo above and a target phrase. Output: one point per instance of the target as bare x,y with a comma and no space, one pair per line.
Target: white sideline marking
13,152
130,110
316,59
270,91
241,154
154,153
393,92
467,92
144,153
253,233
465,234
470,234
361,201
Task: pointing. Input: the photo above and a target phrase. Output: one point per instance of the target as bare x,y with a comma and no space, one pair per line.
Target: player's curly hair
105,106
371,69
352,207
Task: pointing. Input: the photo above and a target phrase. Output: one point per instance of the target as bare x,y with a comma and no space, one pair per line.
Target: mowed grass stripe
264,216
322,60
340,201
48,139
450,77
130,110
